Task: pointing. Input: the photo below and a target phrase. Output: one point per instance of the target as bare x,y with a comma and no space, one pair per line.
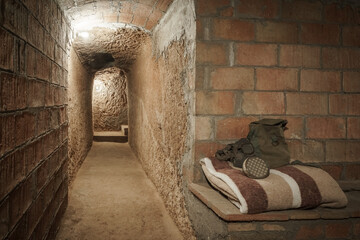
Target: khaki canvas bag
267,137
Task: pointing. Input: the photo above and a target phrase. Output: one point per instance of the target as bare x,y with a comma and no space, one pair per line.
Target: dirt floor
112,198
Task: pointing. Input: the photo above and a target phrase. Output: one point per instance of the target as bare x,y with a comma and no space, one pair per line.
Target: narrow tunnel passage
112,198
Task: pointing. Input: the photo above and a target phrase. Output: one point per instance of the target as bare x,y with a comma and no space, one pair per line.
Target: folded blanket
287,187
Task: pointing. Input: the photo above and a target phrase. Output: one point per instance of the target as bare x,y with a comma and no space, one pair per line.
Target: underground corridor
112,113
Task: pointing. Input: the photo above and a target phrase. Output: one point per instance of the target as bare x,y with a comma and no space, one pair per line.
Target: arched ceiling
141,13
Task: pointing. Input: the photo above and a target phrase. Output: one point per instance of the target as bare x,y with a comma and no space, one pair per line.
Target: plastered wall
80,115
109,104
160,108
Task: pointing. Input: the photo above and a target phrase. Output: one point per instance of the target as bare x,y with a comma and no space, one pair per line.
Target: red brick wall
298,60
33,118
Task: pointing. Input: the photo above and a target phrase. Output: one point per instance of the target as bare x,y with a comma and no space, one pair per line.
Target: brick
232,78
295,128
256,54
351,81
303,103
56,76
227,12
110,17
13,92
341,14
211,53
233,128
301,10
357,229
233,29
352,172
49,46
352,151
206,149
12,171
342,151
31,5
299,56
276,32
20,199
351,36
263,103
42,175
258,9
19,65
163,4
25,127
4,218
50,95
310,232
273,227
241,227
335,151
36,93
210,7
43,67
200,29
125,18
215,103
325,128
344,104
34,153
154,18
30,61
35,33
334,171
337,230
141,14
309,151
7,136
277,79
326,34
353,128
43,120
7,50
19,232
203,128
320,81
341,58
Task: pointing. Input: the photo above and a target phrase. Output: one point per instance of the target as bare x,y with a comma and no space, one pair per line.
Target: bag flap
271,122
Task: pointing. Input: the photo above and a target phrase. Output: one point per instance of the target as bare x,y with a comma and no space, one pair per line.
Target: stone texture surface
108,47
80,117
158,125
160,110
109,104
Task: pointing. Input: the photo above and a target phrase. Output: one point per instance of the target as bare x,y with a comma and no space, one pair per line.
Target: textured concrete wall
160,109
33,118
80,114
296,60
109,105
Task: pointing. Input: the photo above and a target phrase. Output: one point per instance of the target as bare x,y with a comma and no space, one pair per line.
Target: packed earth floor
112,198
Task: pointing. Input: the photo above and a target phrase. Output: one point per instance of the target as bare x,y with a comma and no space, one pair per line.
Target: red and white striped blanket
288,187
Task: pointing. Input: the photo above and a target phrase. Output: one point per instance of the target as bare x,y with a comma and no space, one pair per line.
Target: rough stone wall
160,110
80,114
298,60
33,118
109,105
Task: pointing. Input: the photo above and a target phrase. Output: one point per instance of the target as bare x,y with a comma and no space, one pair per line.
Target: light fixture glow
84,34
98,86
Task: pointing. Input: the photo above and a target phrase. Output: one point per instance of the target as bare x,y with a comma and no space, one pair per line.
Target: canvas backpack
267,138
